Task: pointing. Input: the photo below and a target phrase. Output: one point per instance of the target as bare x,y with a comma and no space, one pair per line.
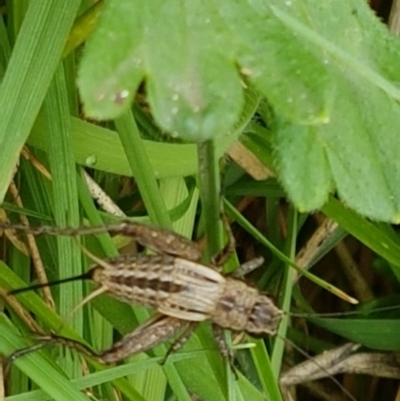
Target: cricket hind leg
180,340
49,340
223,347
20,353
155,238
153,332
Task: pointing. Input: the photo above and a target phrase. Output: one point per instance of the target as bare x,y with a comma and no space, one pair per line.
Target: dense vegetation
282,115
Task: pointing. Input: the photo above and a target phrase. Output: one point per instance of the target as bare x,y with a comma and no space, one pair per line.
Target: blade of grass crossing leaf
103,146
209,182
100,148
278,351
142,170
83,27
257,234
34,59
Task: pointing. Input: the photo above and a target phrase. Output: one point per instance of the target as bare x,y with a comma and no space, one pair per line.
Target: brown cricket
175,284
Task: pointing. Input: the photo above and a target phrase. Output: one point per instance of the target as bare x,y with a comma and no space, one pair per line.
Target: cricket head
264,317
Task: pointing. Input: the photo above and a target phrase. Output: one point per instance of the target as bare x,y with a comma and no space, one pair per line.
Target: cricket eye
264,318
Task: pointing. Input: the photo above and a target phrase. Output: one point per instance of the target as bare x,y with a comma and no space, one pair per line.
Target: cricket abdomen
173,286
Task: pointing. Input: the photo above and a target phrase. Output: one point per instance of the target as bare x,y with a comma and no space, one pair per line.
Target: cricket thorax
264,318
173,286
243,308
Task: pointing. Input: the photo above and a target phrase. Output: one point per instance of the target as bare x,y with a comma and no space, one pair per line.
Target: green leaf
112,68
381,334
289,71
302,164
362,148
350,35
194,90
356,150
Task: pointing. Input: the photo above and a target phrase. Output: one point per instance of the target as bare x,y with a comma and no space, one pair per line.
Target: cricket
175,284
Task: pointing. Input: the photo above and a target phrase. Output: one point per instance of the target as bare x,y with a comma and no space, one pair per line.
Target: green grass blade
381,239
56,385
142,170
32,65
262,239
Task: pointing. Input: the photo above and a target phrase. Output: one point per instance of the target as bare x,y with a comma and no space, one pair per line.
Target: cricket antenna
347,313
85,276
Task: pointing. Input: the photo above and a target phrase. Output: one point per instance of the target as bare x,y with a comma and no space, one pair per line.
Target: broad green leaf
302,164
112,68
285,68
193,86
188,56
351,36
194,90
362,147
356,150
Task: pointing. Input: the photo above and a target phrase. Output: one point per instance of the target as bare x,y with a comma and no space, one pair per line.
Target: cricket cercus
183,291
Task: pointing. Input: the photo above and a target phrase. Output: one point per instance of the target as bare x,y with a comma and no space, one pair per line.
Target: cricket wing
195,291
173,286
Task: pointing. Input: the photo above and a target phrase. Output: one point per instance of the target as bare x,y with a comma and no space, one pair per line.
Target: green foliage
309,87
319,65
